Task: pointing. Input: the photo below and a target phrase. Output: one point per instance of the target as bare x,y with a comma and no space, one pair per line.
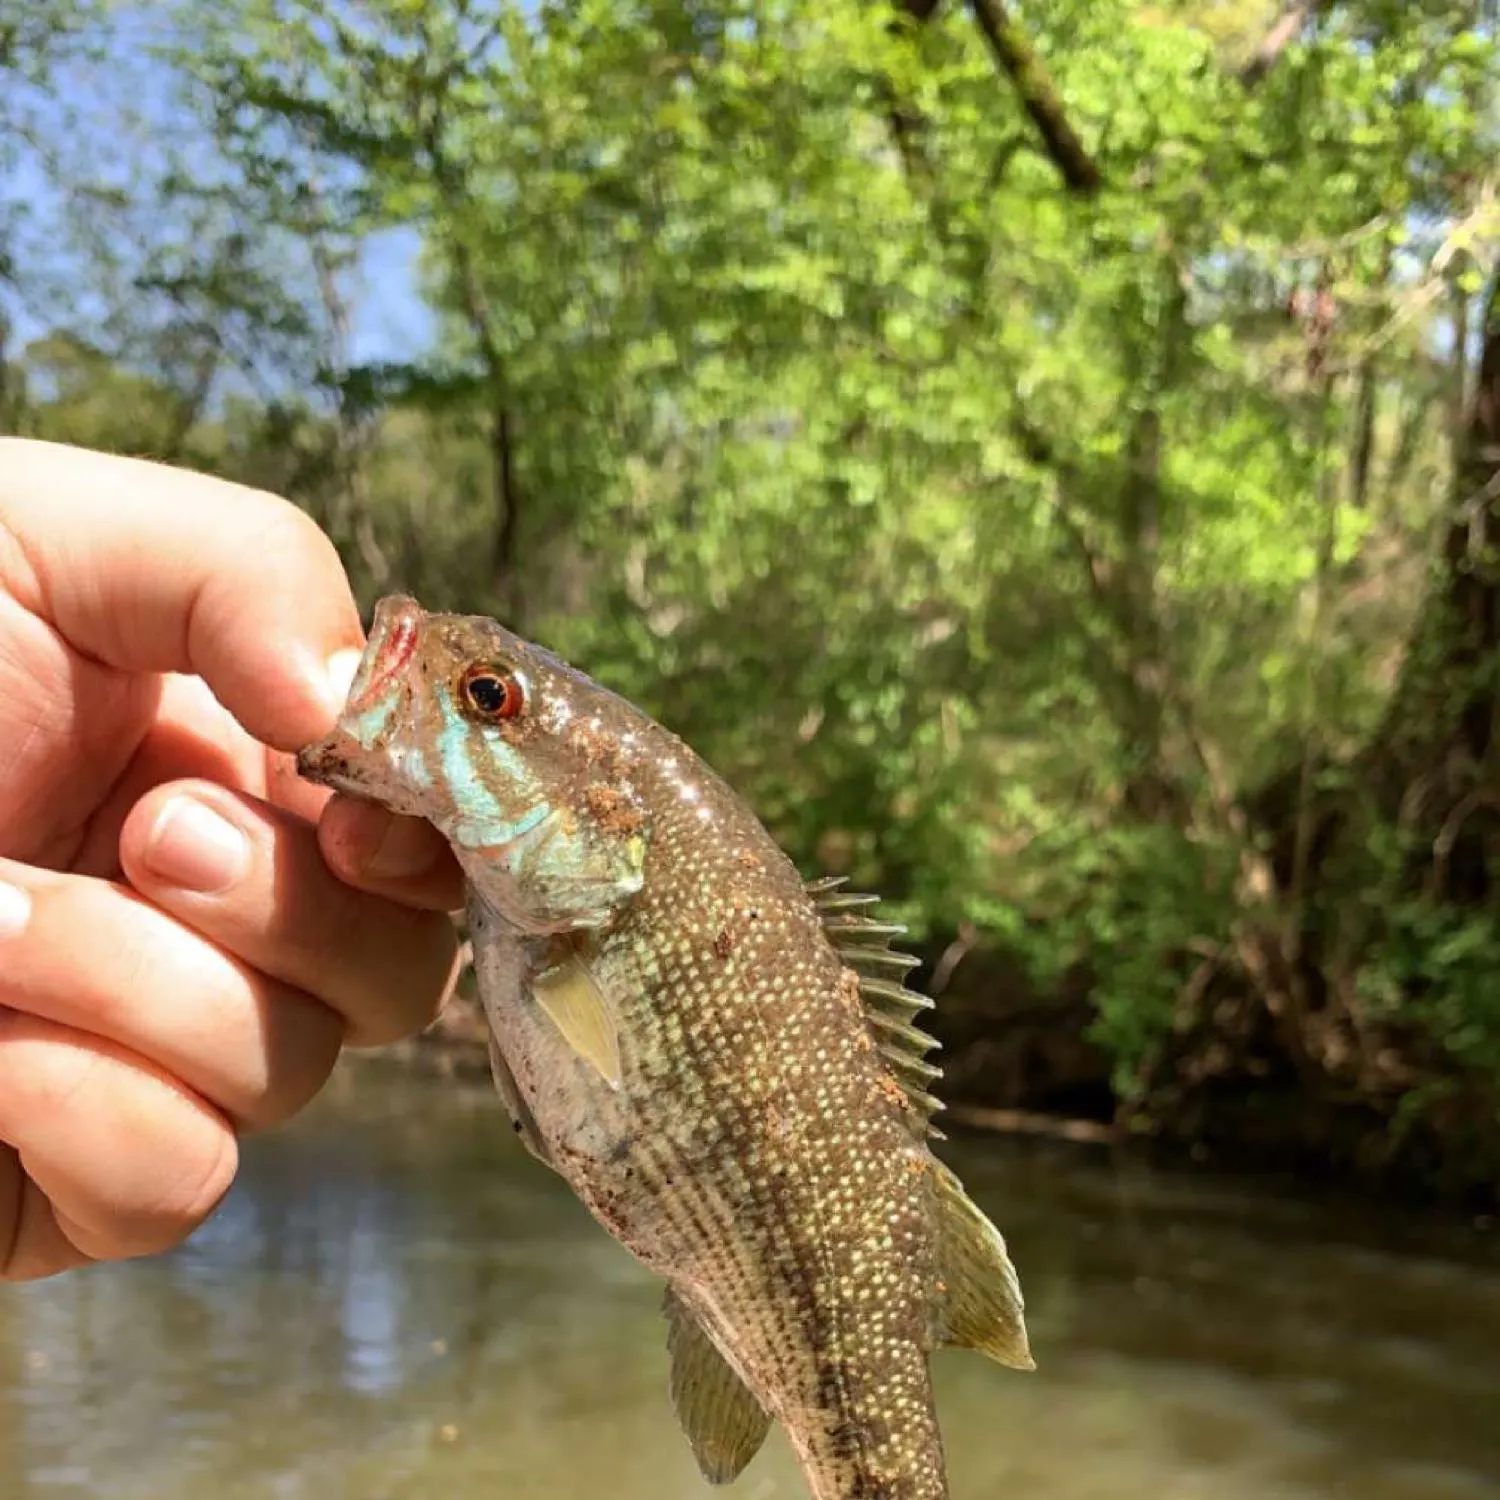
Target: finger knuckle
292,534
404,992
299,1056
57,1069
208,1159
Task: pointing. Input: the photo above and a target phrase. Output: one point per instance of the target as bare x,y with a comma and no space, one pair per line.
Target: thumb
153,569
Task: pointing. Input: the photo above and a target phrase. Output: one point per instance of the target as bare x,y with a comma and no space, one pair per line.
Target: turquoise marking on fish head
515,826
523,764
371,726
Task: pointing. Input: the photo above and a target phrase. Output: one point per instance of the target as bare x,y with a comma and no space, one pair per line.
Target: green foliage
1436,968
1150,897
1003,544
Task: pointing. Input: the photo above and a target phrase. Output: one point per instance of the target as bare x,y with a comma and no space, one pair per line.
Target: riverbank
1015,1065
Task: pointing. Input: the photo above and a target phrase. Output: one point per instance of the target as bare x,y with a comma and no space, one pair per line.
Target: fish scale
720,1059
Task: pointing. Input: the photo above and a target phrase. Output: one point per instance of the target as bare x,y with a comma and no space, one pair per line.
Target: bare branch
1288,26
1442,845
1028,1122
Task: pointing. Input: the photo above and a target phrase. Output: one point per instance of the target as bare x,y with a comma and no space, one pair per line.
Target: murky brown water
397,1304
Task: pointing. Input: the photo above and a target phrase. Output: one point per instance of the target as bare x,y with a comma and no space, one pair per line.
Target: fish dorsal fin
979,1298
723,1421
570,995
864,945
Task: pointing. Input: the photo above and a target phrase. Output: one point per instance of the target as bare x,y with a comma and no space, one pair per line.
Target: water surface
397,1303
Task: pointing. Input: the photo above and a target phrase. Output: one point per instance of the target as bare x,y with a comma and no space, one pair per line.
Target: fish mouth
394,634
328,763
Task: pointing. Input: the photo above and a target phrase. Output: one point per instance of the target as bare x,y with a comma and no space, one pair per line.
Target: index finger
154,569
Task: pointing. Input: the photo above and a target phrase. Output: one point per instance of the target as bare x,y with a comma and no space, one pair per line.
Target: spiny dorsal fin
724,1423
864,945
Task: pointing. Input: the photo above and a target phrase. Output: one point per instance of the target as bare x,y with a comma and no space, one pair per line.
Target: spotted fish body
717,1057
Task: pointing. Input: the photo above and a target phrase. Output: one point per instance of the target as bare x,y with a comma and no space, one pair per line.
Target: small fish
718,1058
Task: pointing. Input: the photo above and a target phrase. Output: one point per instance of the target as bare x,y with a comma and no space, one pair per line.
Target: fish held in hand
720,1059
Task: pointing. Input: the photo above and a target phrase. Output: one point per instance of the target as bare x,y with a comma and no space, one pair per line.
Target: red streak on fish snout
394,646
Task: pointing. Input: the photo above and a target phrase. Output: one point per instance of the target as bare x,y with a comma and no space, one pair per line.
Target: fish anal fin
724,1423
573,1001
979,1300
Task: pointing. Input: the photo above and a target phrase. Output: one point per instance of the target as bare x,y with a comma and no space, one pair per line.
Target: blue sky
114,121
390,317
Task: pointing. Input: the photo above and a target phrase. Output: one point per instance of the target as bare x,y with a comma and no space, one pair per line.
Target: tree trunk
1458,384
508,508
1367,395
1470,545
189,406
1153,791
477,312
1444,702
7,380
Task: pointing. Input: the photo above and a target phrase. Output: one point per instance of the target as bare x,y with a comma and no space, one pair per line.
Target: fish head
521,762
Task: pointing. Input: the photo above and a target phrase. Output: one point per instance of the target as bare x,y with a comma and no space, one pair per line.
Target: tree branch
1039,95
1285,30
908,124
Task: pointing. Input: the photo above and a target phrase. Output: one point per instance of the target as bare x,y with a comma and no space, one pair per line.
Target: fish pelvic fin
724,1423
979,1299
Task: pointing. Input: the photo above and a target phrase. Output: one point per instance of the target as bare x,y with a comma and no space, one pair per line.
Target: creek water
397,1303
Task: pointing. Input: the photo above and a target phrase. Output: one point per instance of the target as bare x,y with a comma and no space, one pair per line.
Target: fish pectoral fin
979,1302
723,1421
574,1003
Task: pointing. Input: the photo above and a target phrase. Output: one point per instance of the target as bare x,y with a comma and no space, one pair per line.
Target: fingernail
341,667
407,847
193,846
15,910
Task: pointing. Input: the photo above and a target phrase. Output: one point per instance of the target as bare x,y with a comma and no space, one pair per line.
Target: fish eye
492,693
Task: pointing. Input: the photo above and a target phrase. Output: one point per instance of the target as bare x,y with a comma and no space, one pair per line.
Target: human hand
188,932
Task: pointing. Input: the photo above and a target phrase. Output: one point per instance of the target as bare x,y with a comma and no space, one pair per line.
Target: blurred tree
1043,455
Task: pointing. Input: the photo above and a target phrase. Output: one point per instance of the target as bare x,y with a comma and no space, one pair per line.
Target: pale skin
189,934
